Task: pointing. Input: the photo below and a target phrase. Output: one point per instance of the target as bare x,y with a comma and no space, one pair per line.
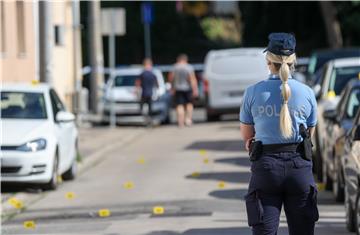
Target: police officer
272,113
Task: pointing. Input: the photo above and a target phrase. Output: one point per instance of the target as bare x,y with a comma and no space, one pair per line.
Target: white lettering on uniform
269,110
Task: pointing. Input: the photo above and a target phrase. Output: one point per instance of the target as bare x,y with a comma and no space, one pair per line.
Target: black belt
278,148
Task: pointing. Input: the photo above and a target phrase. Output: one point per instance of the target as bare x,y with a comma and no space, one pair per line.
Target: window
340,77
127,80
353,104
20,17
56,103
2,27
59,35
23,105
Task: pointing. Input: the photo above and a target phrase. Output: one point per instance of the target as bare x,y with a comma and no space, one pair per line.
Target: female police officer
270,115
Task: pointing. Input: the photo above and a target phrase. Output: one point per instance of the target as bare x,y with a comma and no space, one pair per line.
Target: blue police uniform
280,178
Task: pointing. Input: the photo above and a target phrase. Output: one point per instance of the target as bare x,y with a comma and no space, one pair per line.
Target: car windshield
353,103
341,76
23,105
125,80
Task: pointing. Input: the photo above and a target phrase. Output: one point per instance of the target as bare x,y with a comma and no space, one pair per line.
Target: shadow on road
19,187
239,161
218,145
234,194
232,177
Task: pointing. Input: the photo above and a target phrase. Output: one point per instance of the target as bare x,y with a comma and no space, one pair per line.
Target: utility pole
77,55
46,42
147,18
95,53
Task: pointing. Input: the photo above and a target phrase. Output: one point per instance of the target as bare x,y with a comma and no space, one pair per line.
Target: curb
8,212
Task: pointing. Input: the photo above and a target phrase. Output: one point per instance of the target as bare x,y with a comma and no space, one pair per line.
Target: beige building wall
17,53
63,52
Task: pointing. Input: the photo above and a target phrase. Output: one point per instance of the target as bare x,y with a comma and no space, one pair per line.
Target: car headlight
33,146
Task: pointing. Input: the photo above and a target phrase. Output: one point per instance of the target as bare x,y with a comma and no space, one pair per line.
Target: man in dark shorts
146,83
184,88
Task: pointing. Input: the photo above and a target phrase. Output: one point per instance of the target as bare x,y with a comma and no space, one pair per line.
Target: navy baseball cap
281,44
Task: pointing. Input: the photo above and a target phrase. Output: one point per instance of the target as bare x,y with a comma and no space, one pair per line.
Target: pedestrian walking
277,117
184,89
145,84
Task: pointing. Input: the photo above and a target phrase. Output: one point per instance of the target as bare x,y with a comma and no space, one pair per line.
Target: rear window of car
353,103
238,64
23,105
125,80
341,76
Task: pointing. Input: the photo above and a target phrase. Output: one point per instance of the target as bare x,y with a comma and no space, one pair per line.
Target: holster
256,149
305,147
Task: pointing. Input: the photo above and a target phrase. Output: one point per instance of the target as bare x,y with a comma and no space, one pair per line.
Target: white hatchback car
227,74
39,137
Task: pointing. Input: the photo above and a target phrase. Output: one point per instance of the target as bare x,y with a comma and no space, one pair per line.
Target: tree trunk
332,24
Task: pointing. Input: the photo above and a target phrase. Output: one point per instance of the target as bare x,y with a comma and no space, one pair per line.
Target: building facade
21,52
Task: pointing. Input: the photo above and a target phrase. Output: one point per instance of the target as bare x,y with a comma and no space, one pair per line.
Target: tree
332,24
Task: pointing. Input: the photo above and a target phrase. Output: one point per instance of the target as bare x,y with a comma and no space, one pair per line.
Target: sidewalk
94,144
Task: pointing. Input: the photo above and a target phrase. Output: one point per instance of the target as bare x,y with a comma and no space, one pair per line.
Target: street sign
113,21
147,13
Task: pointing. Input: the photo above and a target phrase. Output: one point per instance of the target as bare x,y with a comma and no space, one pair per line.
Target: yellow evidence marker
29,224
141,160
158,210
195,174
59,178
320,186
206,160
202,152
221,184
16,203
70,195
104,212
128,185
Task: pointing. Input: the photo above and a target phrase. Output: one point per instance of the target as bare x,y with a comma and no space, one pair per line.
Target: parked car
321,57
41,136
337,73
228,73
338,122
121,96
351,163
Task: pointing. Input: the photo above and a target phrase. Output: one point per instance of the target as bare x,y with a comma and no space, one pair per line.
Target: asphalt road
195,177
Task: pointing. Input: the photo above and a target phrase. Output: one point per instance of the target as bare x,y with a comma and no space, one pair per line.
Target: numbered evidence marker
221,184
202,152
158,210
195,174
70,195
206,160
141,160
16,203
29,224
128,185
104,213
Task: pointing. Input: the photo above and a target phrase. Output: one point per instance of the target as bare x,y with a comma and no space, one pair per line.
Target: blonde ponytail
284,72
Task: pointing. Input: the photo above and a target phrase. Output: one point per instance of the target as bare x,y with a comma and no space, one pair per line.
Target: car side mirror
356,136
63,116
330,114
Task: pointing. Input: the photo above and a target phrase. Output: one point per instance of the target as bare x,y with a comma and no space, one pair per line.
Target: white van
228,73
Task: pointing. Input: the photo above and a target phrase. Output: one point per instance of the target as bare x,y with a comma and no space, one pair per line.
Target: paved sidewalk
94,145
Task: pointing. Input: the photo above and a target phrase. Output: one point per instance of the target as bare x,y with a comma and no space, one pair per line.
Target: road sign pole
112,58
147,36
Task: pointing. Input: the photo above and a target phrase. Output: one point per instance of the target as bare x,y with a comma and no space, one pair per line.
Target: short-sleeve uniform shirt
262,104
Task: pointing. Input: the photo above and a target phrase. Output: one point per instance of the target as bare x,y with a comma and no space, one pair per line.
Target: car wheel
71,173
212,117
349,213
357,215
318,159
326,179
54,181
338,189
